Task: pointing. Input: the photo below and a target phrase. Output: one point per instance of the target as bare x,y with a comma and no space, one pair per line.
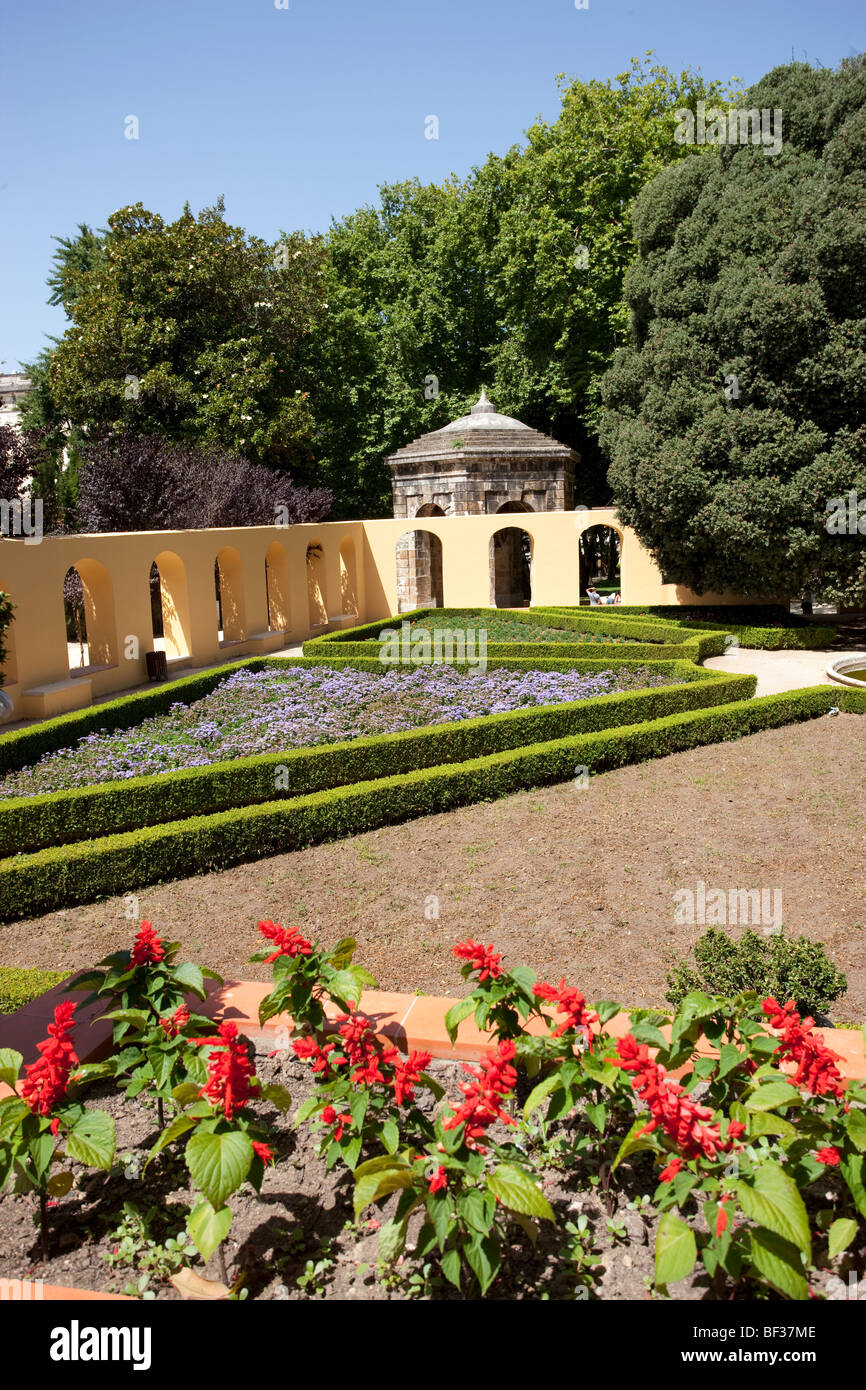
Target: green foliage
151,1242
767,629
781,966
744,380
19,984
61,876
207,323
7,609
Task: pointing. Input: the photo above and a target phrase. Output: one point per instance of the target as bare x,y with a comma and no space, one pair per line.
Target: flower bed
578,1160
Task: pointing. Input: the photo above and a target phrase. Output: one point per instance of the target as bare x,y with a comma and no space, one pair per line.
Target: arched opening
169,605
511,568
348,579
277,588
430,509
514,507
600,562
419,571
229,587
317,597
9,673
91,630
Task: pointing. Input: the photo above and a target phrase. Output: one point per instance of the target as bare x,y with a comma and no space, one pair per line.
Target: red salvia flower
288,941
816,1064
684,1122
830,1156
671,1171
572,1004
722,1216
490,1085
264,1151
231,1079
482,958
367,1053
438,1180
175,1024
45,1081
147,948
407,1075
322,1059
330,1117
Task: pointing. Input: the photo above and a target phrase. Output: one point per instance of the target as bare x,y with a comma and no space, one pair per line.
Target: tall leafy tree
739,409
189,329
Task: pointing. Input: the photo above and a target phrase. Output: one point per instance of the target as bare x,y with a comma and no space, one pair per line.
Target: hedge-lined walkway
573,882
780,671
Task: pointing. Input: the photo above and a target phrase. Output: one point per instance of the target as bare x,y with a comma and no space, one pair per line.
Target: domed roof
482,432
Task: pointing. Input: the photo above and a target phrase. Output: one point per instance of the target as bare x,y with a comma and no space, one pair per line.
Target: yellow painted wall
115,570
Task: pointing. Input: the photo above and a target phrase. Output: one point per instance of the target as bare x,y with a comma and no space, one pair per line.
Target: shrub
20,984
781,966
7,608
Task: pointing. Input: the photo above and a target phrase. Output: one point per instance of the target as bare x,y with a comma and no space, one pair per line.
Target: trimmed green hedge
33,884
795,634
37,822
19,985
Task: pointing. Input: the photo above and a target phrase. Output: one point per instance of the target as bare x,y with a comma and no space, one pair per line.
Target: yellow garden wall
115,572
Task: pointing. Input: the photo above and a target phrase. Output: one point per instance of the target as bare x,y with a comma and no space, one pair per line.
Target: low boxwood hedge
20,985
791,634
83,872
55,818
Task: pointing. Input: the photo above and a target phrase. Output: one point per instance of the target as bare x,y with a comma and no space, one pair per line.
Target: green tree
510,278
189,329
739,410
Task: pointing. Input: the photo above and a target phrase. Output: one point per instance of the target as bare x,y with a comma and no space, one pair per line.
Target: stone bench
57,697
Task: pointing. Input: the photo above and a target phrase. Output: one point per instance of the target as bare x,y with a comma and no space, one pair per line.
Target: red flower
147,948
816,1064
288,941
830,1156
407,1075
438,1180
46,1081
320,1057
573,1005
671,1171
231,1079
264,1151
364,1050
490,1085
685,1122
176,1023
330,1117
722,1217
482,958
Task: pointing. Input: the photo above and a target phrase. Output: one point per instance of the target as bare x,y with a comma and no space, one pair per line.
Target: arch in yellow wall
277,586
348,578
174,598
229,583
317,593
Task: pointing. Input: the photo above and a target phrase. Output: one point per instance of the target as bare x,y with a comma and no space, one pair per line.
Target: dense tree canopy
739,410
189,329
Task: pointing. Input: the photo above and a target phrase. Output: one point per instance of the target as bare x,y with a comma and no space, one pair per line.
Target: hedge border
20,985
784,636
84,872
30,823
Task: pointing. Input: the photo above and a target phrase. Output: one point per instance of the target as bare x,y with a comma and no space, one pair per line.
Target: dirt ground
574,882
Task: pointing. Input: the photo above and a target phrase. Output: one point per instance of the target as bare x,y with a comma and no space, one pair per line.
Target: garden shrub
34,883
786,967
19,984
7,609
768,628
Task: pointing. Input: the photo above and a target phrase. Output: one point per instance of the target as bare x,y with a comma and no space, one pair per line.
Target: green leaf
774,1202
540,1092
208,1228
851,1169
431,1085
484,1259
391,1136
278,1096
392,1240
456,1014
774,1094
760,1122
842,1232
59,1185
518,1192
451,1267
439,1211
11,1063
597,1115
91,1139
378,1184
634,1142
190,979
730,1056
676,1250
779,1262
649,1034
341,955
139,1017
306,1110
184,1093
179,1125
218,1164
855,1123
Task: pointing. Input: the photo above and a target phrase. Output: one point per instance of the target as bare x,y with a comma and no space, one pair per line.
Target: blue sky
296,115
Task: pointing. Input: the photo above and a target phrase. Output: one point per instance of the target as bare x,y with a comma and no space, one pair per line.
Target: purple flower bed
272,711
